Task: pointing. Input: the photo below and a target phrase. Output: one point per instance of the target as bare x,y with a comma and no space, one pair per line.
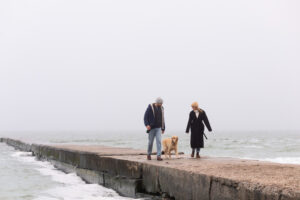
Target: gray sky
95,65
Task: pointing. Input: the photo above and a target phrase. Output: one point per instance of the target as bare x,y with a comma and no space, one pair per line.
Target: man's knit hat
159,100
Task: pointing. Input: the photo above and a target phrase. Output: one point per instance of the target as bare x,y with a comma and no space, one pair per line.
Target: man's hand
162,132
148,128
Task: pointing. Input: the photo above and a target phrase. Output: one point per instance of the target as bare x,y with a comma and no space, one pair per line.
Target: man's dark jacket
149,117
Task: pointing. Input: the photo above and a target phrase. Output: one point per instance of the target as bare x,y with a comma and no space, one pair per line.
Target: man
155,123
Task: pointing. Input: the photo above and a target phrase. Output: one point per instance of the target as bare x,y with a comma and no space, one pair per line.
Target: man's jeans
156,132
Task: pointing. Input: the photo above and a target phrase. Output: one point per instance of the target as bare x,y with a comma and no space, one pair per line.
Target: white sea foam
69,186
24,157
284,160
253,147
21,154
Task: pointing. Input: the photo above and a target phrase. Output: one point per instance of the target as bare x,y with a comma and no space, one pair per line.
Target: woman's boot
197,156
193,154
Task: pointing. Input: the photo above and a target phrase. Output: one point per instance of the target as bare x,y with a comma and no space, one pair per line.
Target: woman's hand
148,128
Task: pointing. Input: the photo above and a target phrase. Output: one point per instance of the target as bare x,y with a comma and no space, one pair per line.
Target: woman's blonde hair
195,104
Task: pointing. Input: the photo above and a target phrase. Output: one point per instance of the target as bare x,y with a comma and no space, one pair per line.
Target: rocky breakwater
128,172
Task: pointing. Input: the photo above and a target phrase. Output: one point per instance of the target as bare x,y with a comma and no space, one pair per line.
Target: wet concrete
128,172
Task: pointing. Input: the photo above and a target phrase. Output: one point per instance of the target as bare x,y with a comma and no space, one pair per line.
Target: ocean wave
283,160
253,146
21,154
68,186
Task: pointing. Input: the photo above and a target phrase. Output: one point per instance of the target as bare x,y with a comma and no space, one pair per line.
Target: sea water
23,177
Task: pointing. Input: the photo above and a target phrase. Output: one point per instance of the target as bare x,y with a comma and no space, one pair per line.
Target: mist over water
95,65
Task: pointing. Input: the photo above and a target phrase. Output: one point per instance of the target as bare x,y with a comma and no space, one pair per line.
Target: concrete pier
128,172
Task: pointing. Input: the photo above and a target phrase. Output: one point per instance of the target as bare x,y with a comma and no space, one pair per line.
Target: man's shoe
193,154
148,157
197,156
159,158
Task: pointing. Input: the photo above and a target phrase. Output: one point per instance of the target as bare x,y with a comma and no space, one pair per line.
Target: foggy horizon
95,66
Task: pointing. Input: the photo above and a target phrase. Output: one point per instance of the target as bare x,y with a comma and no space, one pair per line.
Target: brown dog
169,145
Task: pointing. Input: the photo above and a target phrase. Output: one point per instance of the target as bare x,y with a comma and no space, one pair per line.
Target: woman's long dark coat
197,128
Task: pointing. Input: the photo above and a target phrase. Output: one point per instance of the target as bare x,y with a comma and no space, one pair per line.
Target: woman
197,116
